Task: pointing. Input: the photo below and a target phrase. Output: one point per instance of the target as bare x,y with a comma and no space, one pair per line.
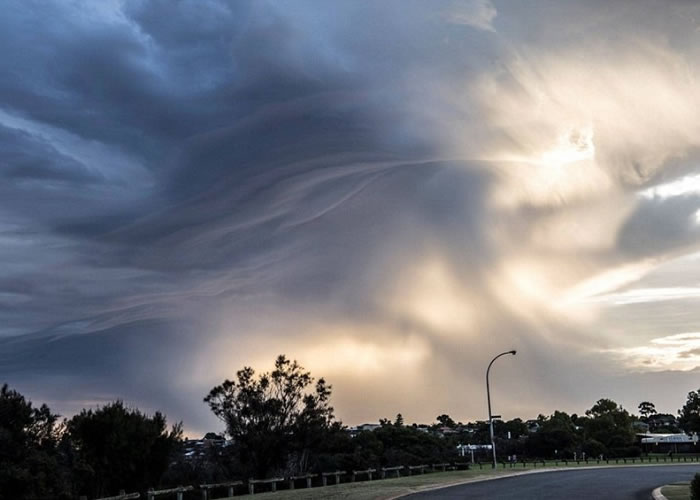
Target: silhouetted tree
610,424
646,408
556,437
689,415
445,421
29,461
274,420
116,447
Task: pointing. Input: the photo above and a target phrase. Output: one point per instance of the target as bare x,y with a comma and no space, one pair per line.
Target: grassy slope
677,491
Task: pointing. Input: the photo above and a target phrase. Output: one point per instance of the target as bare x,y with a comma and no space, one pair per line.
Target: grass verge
676,491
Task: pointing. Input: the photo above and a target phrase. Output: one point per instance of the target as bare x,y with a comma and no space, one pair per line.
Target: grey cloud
661,226
26,158
280,164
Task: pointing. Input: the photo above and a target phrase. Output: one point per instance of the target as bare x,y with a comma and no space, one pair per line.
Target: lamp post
488,397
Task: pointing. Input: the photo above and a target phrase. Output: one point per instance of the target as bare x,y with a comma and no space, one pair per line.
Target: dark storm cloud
173,157
190,186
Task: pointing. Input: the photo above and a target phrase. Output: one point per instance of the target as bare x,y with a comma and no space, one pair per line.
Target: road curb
657,495
537,471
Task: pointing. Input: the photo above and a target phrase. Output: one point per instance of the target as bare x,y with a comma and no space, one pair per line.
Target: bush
695,488
593,448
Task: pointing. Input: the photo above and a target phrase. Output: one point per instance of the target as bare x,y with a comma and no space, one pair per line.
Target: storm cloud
388,192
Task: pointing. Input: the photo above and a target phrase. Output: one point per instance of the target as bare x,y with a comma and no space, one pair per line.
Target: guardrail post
274,486
251,487
230,491
291,483
308,481
150,495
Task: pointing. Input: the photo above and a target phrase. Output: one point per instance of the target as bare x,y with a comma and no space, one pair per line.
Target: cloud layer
390,193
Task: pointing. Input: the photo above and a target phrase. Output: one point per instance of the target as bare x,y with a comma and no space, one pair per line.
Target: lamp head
512,352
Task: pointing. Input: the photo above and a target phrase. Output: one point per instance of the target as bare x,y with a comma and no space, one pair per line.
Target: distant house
354,431
446,430
664,443
640,427
198,448
532,425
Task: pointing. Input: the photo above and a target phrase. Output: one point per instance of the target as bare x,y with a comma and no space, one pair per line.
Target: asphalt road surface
609,483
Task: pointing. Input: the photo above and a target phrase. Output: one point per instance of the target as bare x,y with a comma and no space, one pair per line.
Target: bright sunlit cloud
674,352
644,295
690,184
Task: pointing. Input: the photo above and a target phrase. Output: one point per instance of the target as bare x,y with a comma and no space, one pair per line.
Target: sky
391,193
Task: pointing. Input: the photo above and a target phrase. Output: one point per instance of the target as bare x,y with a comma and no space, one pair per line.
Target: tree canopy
116,447
29,466
689,415
276,419
646,409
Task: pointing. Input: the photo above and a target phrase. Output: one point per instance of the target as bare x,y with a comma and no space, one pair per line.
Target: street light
488,397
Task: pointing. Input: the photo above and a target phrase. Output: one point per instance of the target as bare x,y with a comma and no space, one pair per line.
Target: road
628,483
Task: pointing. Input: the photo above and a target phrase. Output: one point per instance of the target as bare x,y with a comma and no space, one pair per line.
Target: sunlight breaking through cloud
674,352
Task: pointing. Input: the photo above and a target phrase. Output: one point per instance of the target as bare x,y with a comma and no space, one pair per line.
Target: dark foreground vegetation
279,424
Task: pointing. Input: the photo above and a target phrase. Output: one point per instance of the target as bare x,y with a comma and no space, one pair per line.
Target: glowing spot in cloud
674,352
572,146
639,104
552,174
